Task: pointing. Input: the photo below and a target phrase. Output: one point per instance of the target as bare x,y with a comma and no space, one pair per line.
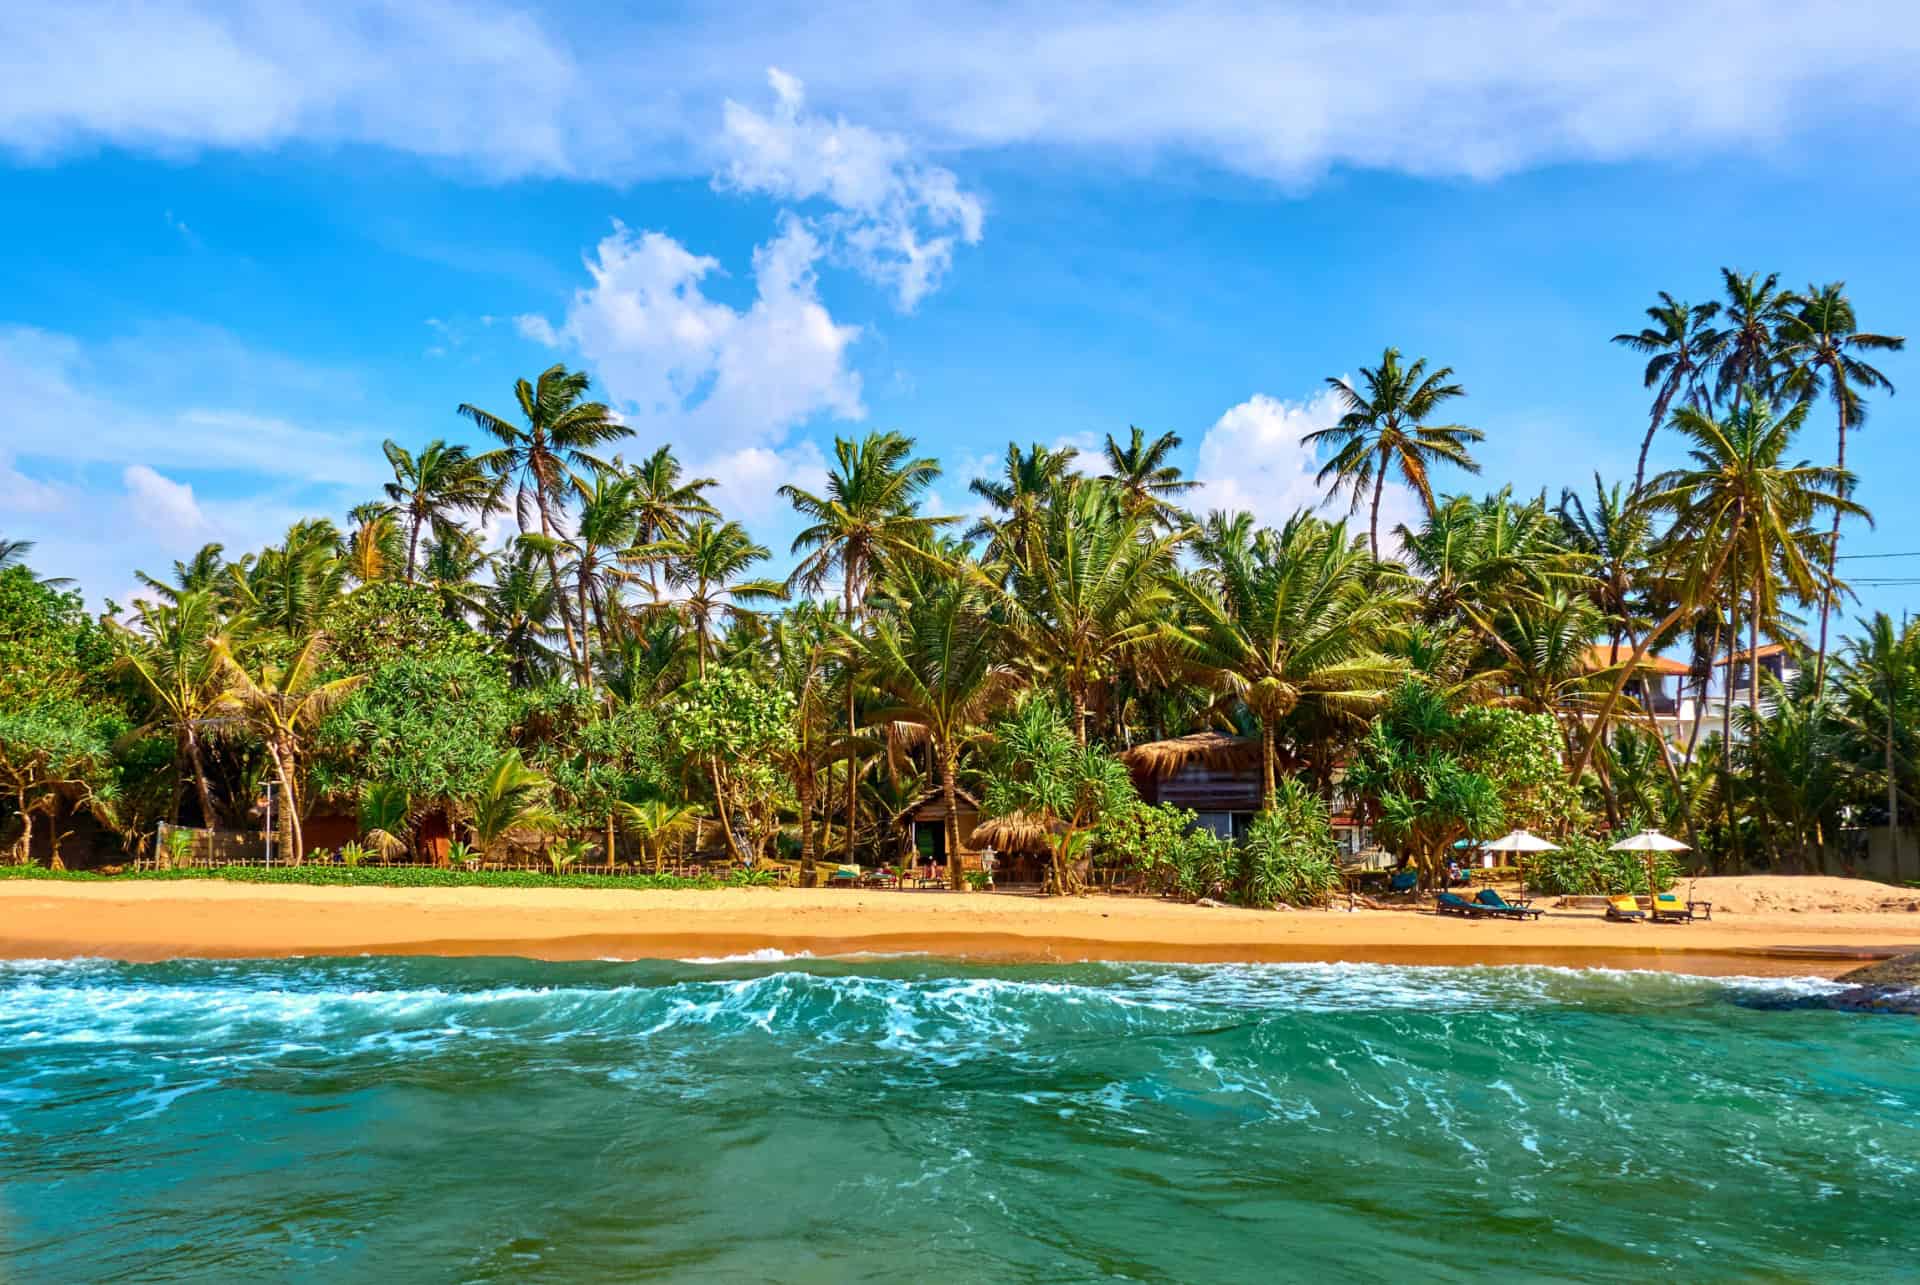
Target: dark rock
1209,901
1902,972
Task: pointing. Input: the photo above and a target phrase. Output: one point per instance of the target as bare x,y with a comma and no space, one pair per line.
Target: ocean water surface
912,1119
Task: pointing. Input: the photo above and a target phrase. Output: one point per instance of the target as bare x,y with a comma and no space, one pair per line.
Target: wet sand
154,921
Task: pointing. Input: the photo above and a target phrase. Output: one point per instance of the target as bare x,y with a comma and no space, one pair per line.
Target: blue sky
246,244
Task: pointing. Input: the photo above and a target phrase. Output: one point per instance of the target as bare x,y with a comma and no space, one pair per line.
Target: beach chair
1624,909
1492,900
1671,907
1452,903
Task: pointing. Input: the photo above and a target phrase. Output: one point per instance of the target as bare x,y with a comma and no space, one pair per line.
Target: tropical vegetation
620,674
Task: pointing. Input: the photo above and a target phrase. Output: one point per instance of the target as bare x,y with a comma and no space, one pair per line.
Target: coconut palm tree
451,569
205,570
1749,350
556,436
938,658
1141,471
430,488
172,655
512,797
518,611
282,703
1878,706
1680,347
1027,479
1738,496
289,587
604,529
664,503
1300,620
1613,536
656,822
804,646
868,517
1385,430
1091,589
1821,346
708,566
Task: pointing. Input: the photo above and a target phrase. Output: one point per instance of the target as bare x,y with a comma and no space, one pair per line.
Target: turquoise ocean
896,1119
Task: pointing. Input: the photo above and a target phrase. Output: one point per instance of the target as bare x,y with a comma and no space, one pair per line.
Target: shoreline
151,922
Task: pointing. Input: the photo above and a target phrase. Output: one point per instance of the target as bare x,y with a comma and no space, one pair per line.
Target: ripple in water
802,1119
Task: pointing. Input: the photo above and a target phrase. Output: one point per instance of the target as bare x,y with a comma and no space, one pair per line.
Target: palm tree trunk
950,795
23,853
553,572
413,545
720,808
1726,730
1646,443
1893,794
200,779
580,592
1373,525
1833,552
609,839
853,780
1267,782
803,788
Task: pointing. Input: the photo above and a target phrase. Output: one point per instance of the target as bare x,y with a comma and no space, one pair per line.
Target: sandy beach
1760,925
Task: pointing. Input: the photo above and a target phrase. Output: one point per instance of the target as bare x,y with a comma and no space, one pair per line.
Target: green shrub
1586,867
1198,863
1289,855
334,876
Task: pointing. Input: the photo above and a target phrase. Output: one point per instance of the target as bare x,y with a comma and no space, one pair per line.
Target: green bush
1289,854
392,877
1198,864
1586,867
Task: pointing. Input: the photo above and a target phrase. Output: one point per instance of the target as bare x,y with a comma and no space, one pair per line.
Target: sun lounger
1624,908
1452,903
1492,900
1671,906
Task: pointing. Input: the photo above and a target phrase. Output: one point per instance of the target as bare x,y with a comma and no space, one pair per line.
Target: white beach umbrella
1521,842
1649,842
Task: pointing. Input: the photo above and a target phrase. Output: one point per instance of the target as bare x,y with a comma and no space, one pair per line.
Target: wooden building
1214,774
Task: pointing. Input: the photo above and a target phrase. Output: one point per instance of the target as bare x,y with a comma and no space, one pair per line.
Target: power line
1847,556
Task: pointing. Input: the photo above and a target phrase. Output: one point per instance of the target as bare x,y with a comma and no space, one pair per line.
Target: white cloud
20,494
750,478
692,369
896,217
1252,459
165,505
1284,91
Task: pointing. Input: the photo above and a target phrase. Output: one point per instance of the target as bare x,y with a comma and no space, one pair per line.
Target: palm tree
173,657
512,797
1738,496
1026,479
654,822
557,435
518,611
605,529
373,550
289,587
1613,536
867,518
205,570
664,504
283,703
428,489
1385,430
937,656
1749,349
1879,693
709,566
1296,621
1091,589
803,645
1821,342
1680,348
452,568
1141,471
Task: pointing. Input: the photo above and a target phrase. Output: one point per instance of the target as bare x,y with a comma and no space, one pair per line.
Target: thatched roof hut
1215,751
1016,832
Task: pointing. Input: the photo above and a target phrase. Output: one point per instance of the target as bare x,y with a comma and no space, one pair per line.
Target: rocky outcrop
1900,973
